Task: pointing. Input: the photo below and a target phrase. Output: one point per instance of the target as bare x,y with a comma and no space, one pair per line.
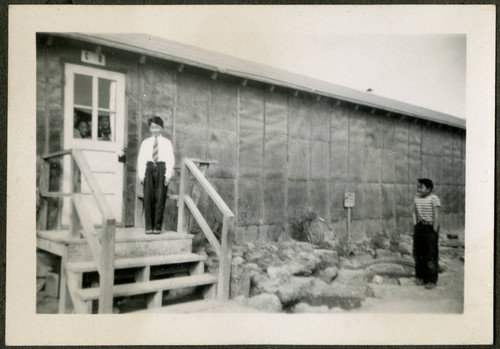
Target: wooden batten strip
203,224
106,211
88,228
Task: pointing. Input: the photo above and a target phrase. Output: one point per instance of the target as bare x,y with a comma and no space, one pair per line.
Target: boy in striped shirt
426,220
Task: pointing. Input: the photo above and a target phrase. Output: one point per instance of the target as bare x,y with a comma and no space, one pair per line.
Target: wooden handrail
203,224
208,188
222,249
103,250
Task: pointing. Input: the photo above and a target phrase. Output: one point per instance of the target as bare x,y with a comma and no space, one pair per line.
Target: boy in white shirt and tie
155,165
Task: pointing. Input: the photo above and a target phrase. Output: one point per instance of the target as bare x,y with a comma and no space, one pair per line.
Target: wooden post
225,258
107,273
182,214
349,230
44,188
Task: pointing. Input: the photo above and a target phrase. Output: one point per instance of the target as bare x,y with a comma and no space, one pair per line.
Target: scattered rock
381,253
328,258
451,243
280,273
378,280
392,270
350,263
294,290
269,303
336,310
306,308
241,275
353,277
328,274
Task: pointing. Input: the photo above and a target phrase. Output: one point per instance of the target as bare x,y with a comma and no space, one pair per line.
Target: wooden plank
107,269
54,194
208,188
150,286
133,262
182,218
106,210
82,306
208,162
56,154
88,227
225,259
203,224
44,187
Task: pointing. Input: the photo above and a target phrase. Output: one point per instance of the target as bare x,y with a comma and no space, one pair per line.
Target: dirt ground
447,297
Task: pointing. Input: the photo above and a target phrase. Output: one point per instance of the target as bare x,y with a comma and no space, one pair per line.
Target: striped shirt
424,207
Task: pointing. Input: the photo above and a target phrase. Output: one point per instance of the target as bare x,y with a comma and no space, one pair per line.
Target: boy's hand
166,182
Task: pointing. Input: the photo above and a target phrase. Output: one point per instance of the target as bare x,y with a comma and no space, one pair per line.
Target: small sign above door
93,58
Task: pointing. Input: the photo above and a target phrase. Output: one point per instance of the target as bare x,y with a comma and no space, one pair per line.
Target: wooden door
94,115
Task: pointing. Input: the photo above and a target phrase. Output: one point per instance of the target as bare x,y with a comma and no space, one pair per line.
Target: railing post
43,188
182,218
107,274
225,260
74,227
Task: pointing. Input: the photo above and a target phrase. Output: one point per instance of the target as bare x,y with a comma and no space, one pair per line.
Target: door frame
69,142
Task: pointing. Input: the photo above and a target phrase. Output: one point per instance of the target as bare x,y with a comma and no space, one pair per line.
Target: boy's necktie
155,150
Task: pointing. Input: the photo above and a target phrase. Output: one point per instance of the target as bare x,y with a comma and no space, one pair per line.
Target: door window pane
106,94
82,127
106,126
83,90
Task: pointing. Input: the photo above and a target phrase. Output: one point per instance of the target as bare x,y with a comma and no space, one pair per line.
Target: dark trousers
425,252
155,195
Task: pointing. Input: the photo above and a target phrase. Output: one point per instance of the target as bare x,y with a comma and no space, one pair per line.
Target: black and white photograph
250,175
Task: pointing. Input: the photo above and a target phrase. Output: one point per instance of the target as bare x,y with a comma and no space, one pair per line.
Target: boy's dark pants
155,195
425,252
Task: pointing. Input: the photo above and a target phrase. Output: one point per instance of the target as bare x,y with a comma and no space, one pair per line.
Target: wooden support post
43,188
65,304
225,258
348,230
154,300
107,270
74,284
143,274
182,214
198,269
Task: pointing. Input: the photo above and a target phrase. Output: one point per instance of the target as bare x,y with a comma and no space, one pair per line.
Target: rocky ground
300,277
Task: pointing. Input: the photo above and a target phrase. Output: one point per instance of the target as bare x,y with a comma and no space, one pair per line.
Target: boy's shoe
430,285
156,232
149,232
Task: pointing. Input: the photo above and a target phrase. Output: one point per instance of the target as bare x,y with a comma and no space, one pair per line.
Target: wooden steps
134,262
145,287
147,277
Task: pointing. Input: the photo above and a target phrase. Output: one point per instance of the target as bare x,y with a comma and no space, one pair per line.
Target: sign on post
349,200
